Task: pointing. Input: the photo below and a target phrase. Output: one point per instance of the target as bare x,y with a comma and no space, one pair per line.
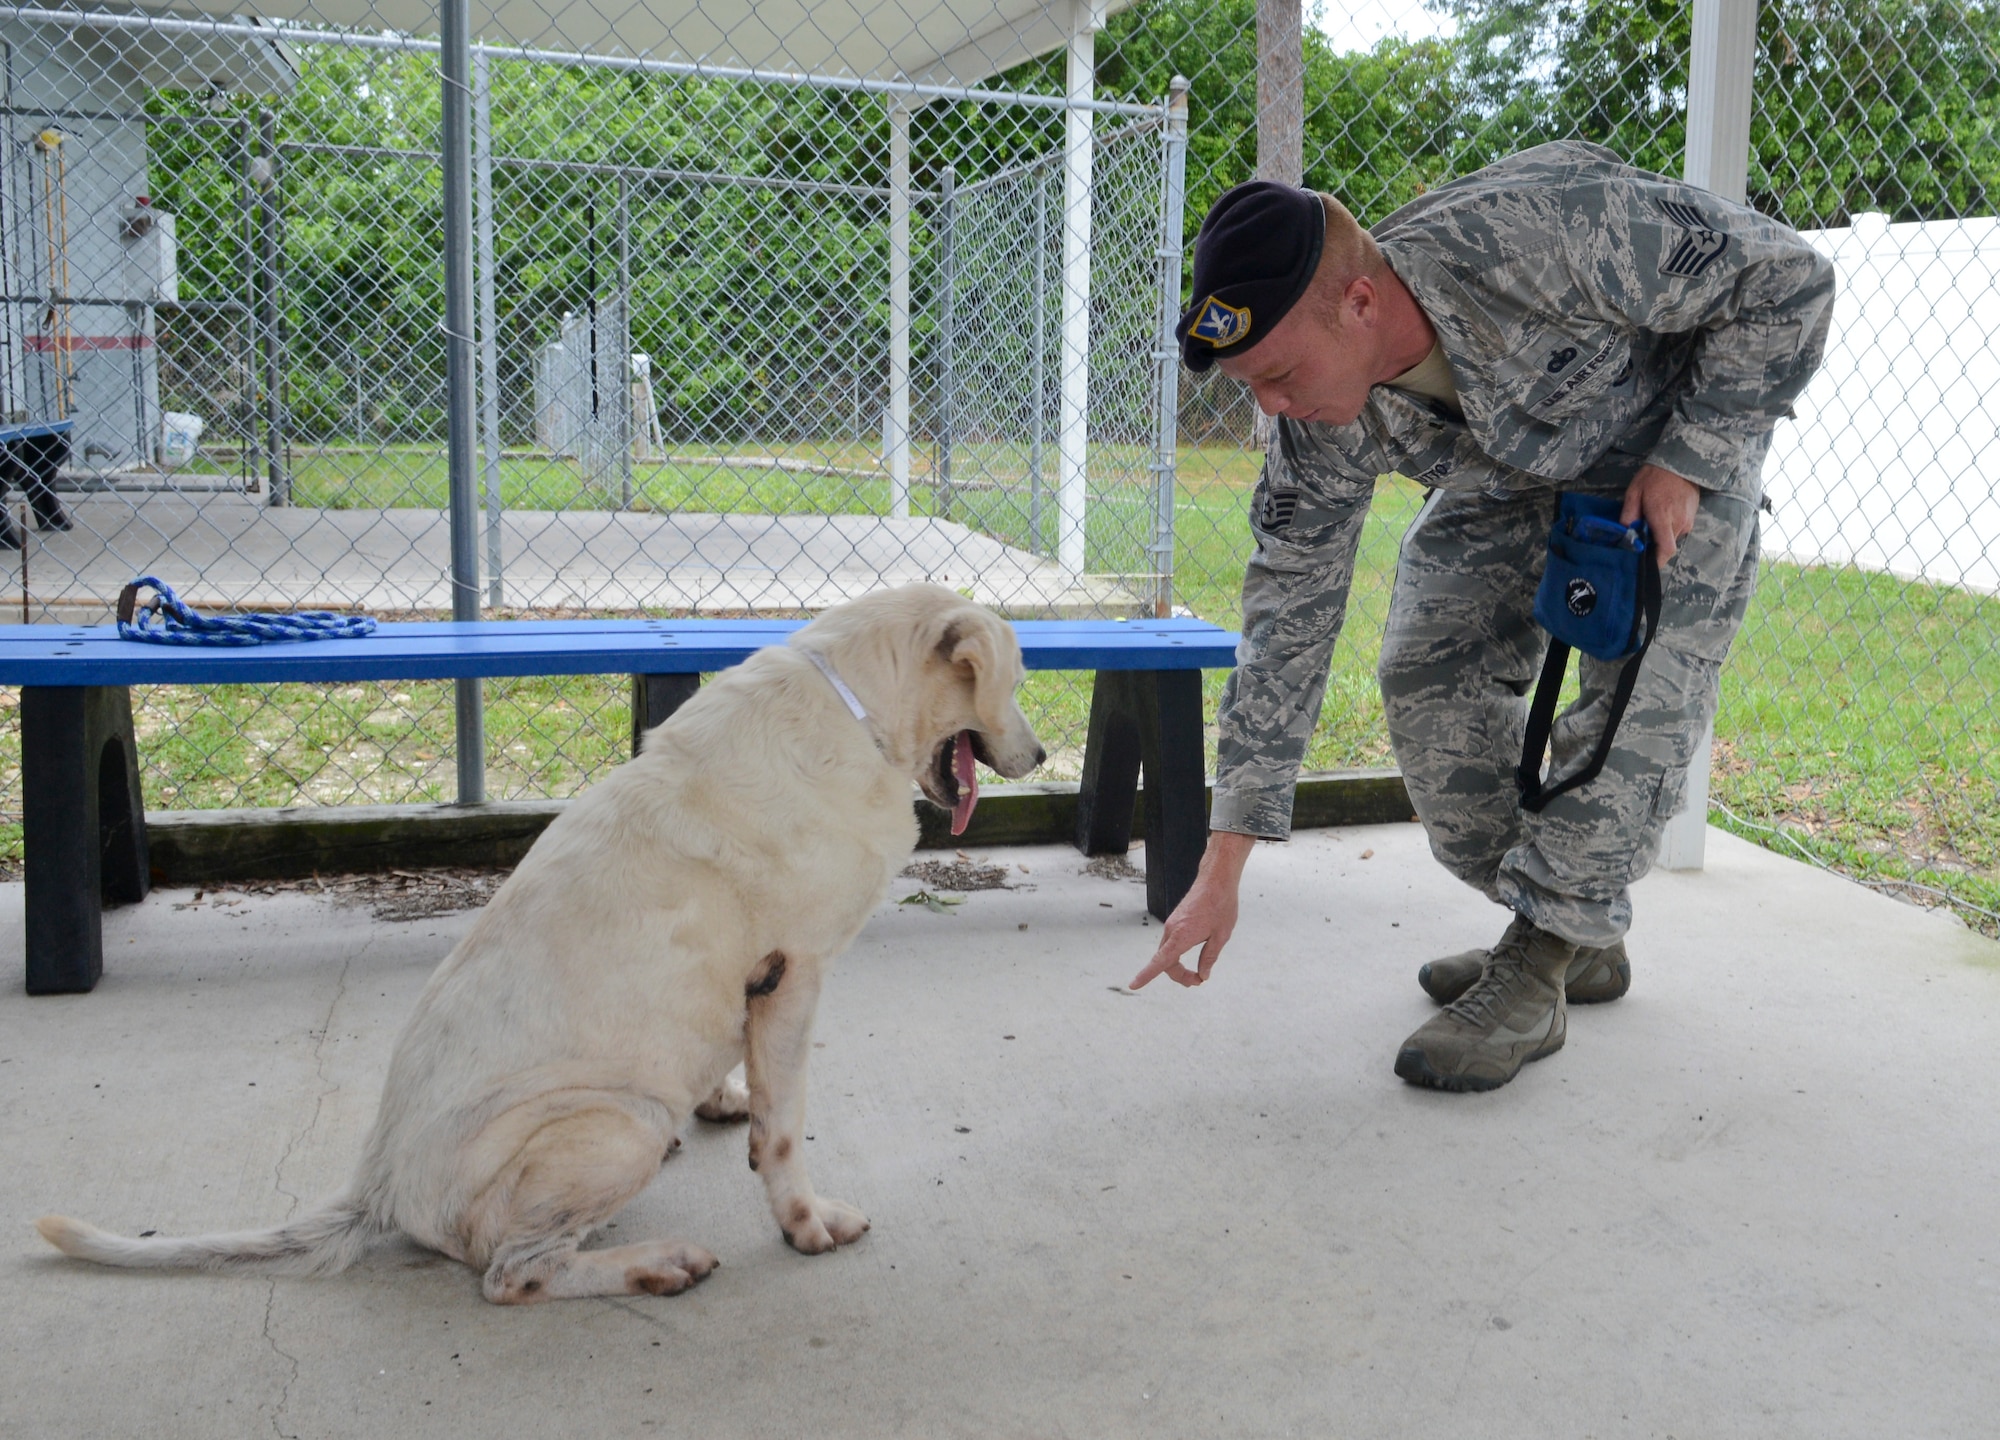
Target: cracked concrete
1754,1198
328,1086
291,1362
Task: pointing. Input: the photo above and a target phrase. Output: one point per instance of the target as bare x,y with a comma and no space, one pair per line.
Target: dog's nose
1040,755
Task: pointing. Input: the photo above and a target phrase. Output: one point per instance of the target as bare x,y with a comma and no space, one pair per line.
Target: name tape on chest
1577,378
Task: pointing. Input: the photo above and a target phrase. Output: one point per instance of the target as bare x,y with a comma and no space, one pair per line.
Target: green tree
760,301
1888,106
1379,124
1859,104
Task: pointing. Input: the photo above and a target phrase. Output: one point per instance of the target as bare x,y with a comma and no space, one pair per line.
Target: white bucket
180,435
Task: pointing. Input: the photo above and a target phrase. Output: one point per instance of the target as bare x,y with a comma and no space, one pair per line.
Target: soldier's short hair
1349,252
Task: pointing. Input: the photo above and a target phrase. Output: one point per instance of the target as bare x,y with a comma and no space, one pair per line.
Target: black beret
1253,259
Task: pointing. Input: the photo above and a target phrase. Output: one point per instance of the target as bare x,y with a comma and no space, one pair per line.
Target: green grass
1859,719
399,478
991,493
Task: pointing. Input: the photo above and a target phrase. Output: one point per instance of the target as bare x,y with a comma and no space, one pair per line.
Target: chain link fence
1861,727
759,331
738,354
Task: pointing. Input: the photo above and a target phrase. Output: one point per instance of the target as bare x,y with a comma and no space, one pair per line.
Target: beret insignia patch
1219,324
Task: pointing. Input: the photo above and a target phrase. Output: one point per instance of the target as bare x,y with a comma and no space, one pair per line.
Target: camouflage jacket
1595,317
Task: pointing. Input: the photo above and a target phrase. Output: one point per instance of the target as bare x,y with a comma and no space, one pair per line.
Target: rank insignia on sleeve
1693,246
1220,325
1278,509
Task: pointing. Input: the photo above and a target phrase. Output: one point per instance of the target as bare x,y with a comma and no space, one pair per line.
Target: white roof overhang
945,43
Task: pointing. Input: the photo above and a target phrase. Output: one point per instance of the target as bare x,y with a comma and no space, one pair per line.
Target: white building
85,259
1894,461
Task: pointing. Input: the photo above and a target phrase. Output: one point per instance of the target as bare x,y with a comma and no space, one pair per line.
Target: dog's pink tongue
968,782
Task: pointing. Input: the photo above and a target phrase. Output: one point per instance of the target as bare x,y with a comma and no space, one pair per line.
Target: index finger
1165,962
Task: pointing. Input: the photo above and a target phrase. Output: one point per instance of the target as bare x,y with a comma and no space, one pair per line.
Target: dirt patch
1113,867
420,894
395,894
959,875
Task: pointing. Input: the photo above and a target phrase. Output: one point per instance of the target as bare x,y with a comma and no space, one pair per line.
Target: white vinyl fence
1894,461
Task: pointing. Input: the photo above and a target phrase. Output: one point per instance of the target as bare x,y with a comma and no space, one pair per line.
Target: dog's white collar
854,705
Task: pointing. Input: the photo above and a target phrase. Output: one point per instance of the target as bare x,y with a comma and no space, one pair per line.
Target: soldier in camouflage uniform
1558,321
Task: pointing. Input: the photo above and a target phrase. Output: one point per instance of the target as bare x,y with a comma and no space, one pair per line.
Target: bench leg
1150,721
655,697
84,828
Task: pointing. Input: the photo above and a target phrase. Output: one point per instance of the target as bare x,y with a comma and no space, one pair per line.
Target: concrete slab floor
1754,1198
219,550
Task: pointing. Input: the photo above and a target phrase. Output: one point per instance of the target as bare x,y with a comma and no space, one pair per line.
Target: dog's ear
971,647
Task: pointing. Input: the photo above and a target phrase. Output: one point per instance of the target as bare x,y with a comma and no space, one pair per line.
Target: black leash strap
1542,714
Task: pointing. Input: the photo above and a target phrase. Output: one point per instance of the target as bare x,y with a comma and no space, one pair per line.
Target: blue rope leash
167,620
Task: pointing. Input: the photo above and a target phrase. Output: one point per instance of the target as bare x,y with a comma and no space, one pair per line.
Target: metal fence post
489,323
1722,55
246,219
1038,251
947,336
456,75
1073,433
623,328
896,433
273,312
1166,355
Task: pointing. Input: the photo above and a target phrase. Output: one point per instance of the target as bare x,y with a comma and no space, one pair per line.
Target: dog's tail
325,1240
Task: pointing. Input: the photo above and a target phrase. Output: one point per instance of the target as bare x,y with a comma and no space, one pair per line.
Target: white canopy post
1722,57
1073,431
896,433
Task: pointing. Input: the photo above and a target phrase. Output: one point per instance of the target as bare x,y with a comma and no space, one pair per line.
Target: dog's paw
729,1105
814,1227
691,1258
669,1268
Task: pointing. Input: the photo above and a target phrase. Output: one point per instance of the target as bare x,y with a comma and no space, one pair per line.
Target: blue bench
85,822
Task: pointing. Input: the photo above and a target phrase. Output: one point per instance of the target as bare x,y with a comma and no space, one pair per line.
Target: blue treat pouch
1600,594
1589,598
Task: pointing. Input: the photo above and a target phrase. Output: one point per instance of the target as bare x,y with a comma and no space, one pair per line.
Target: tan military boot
1512,1014
1598,973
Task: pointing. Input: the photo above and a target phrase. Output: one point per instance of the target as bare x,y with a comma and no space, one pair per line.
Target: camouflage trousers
1460,658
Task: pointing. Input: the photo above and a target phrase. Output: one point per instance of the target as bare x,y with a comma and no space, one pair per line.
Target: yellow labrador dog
674,922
